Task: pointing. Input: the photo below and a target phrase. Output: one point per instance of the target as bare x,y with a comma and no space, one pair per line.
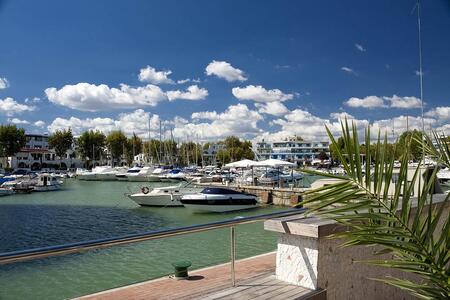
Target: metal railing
51,251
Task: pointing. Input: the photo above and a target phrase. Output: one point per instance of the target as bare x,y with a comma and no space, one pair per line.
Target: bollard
181,269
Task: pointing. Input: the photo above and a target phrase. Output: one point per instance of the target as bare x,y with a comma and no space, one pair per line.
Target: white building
36,156
293,150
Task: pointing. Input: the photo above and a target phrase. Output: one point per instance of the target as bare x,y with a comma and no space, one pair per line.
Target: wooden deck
254,276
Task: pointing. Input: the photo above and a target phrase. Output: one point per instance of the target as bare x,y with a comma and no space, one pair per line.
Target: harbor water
85,210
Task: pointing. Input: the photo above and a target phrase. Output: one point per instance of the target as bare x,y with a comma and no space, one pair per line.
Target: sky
208,69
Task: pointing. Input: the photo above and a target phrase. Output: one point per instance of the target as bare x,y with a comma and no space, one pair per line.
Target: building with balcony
293,150
36,156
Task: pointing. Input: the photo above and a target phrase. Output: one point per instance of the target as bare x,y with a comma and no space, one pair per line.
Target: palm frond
392,208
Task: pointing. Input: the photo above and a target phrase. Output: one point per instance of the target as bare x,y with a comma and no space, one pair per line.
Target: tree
413,140
61,141
91,145
117,144
12,139
133,147
238,149
361,201
322,156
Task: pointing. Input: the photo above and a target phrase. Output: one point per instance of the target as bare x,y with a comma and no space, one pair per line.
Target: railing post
233,254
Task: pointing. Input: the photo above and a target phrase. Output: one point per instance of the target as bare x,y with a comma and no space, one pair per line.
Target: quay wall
268,195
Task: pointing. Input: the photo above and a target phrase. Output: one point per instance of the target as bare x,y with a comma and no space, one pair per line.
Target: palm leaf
394,210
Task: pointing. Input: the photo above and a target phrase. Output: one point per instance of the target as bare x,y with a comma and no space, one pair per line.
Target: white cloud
367,102
224,70
32,100
349,70
260,94
442,113
18,121
341,116
39,123
237,120
181,81
193,92
9,107
310,127
135,122
90,97
272,108
403,102
4,83
206,115
360,47
394,127
393,102
149,74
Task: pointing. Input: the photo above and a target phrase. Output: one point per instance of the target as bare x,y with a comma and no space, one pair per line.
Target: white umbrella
274,163
245,163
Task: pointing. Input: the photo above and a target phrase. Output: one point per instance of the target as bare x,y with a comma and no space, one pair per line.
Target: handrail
44,252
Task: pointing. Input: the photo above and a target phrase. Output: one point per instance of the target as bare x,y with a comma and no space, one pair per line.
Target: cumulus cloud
224,70
272,108
135,122
32,100
193,92
442,113
393,102
302,123
39,123
18,121
149,74
403,102
9,107
341,116
349,70
90,97
236,120
4,83
360,47
260,94
367,102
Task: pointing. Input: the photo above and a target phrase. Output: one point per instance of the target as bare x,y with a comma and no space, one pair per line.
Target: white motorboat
214,199
100,173
174,175
142,175
6,192
124,174
164,196
47,183
156,175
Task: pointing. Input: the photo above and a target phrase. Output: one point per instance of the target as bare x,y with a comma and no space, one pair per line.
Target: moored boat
47,183
213,199
164,196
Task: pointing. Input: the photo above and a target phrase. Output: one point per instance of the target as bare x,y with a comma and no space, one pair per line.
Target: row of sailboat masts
166,152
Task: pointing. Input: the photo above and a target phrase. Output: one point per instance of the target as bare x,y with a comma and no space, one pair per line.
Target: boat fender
145,190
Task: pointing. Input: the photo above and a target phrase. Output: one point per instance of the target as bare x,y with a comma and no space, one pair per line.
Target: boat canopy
221,191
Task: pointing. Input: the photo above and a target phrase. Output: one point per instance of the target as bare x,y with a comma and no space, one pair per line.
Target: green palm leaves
393,207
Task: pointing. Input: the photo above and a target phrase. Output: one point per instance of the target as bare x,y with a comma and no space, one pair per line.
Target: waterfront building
293,150
36,155
210,153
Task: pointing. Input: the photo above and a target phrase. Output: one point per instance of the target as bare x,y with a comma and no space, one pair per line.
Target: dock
255,279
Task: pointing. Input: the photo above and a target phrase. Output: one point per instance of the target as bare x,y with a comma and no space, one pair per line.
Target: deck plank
254,277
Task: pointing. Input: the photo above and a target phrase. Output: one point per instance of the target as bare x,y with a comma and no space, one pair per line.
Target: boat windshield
133,171
219,191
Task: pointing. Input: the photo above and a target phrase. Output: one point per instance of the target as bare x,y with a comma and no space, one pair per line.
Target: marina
85,210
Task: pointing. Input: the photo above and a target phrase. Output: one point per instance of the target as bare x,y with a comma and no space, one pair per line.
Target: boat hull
48,188
167,200
218,203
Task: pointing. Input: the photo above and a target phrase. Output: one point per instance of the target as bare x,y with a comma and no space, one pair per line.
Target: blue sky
292,66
